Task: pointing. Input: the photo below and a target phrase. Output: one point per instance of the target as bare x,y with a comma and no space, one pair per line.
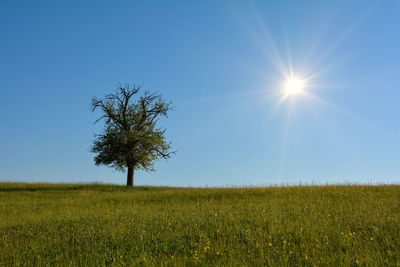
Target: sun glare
293,86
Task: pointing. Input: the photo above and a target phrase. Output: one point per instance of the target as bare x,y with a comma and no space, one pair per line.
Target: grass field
45,224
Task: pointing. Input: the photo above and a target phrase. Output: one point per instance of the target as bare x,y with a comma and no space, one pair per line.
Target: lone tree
131,139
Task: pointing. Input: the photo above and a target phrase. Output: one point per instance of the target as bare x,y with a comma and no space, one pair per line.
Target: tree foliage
131,138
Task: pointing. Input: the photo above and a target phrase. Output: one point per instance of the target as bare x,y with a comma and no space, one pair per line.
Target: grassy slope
101,224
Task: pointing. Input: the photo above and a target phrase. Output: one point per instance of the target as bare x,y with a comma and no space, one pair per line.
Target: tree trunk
129,179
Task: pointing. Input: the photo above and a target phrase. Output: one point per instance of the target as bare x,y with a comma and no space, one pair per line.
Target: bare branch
105,107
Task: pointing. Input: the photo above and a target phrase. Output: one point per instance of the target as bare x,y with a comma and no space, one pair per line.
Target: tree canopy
131,138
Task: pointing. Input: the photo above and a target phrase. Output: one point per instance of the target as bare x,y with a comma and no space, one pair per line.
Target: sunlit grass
44,224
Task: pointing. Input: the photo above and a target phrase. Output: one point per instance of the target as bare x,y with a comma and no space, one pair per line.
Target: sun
293,86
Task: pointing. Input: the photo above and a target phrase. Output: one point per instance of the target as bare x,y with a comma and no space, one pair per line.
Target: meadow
97,225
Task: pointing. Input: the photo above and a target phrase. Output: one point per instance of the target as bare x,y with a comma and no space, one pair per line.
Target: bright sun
293,86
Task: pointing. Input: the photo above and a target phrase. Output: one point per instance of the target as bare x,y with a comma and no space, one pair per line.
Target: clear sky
224,65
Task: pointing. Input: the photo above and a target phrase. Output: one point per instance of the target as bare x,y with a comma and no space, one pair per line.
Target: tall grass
46,224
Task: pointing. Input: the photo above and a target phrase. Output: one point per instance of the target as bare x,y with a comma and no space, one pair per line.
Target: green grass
46,224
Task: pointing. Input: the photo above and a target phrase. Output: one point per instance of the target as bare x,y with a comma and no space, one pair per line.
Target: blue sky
221,63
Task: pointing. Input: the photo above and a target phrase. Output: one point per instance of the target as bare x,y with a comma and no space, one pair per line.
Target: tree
131,139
